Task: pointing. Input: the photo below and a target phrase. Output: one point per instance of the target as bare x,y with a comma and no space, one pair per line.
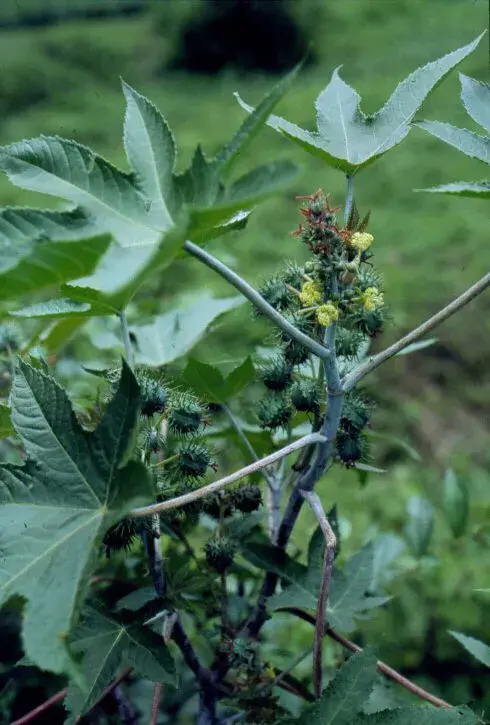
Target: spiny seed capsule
295,353
350,448
275,411
277,374
356,412
120,536
369,323
275,292
186,415
304,395
247,498
293,275
348,342
219,552
217,505
154,396
193,460
367,277
300,321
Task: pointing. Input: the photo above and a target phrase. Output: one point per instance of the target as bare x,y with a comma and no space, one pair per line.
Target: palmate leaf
56,508
42,248
173,334
345,696
420,715
479,650
348,139
109,643
476,99
208,382
349,590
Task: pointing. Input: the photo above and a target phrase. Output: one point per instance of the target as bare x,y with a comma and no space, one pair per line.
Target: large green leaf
345,696
150,148
420,716
71,171
109,643
253,123
476,98
470,143
173,334
41,264
473,189
478,649
348,596
56,508
348,139
208,382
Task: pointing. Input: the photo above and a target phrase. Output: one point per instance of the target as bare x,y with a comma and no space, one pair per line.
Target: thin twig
227,480
128,349
41,708
328,559
241,434
353,378
382,667
247,291
126,713
155,707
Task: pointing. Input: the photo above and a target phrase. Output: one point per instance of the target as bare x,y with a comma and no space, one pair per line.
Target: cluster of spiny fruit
172,443
337,286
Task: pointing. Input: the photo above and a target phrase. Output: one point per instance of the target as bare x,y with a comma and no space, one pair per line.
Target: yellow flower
326,314
361,241
310,294
372,299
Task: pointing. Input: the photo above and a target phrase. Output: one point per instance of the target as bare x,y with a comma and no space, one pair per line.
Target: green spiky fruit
275,411
348,342
275,292
356,412
295,353
217,505
300,321
247,498
220,551
351,448
123,534
193,460
186,415
277,374
367,277
293,275
304,395
370,323
154,395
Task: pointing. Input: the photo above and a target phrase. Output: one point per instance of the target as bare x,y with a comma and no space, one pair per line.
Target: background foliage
64,79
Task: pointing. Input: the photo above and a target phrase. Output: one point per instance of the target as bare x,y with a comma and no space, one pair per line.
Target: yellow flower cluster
310,294
326,314
361,241
372,299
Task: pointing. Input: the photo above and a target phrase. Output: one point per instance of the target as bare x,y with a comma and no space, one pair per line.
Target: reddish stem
382,667
41,708
156,704
62,694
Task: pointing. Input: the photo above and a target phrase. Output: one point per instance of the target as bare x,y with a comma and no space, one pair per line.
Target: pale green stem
247,291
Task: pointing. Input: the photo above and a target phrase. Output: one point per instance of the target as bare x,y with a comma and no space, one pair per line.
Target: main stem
312,474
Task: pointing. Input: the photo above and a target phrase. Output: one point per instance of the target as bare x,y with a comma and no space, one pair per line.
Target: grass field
65,80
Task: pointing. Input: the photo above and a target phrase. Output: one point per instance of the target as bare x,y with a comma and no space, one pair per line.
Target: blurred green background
59,74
